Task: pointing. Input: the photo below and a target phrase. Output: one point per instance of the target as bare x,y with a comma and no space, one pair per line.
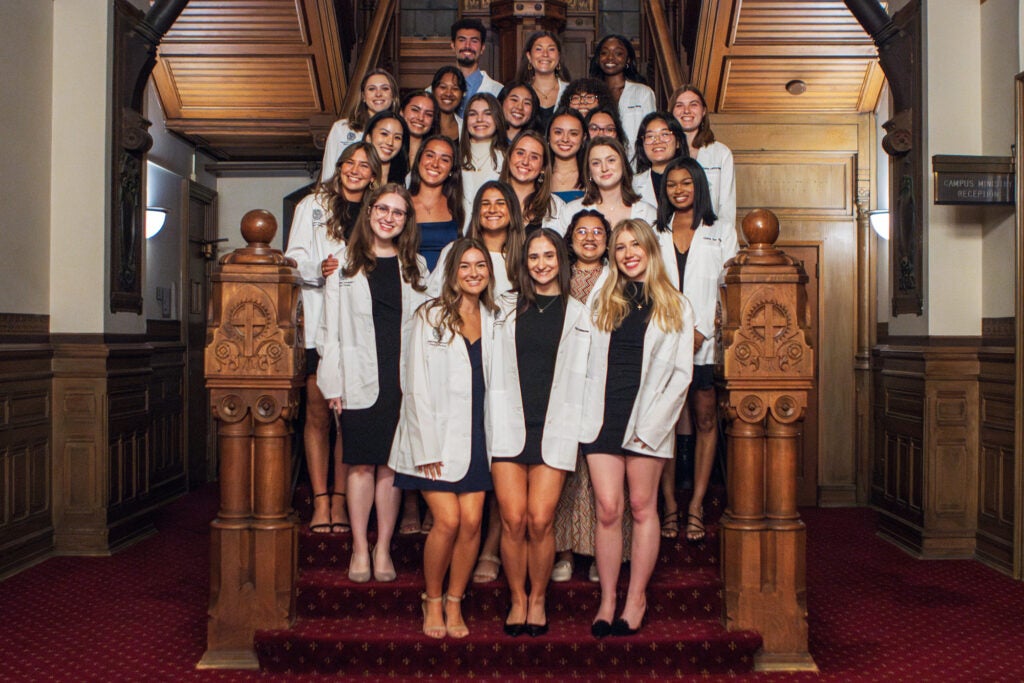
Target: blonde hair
612,305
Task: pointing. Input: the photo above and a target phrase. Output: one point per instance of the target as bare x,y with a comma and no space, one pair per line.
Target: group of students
515,311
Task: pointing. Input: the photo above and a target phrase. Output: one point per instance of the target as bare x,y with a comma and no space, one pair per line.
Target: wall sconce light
880,222
155,217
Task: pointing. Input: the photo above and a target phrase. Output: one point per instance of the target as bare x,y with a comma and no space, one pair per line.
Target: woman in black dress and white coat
369,304
639,369
541,345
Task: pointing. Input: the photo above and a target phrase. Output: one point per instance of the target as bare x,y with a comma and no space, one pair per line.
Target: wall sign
973,180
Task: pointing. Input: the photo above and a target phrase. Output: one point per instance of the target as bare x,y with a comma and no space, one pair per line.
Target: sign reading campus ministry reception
973,180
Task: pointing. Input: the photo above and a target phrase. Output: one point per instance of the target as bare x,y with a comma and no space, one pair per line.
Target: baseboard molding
837,496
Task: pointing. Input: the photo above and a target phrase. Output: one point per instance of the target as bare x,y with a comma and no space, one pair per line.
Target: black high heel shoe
536,630
620,627
514,630
600,628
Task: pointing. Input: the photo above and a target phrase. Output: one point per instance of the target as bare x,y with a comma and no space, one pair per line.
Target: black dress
478,476
538,331
367,433
625,362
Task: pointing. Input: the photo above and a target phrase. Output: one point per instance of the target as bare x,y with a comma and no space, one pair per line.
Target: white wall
1000,30
26,40
78,202
239,195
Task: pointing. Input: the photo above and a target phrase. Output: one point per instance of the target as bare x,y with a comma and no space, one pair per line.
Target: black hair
472,24
703,210
630,72
641,162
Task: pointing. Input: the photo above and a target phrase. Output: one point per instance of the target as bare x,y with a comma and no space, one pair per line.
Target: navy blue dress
433,238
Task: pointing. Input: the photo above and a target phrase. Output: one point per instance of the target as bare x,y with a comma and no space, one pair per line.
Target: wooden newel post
768,370
254,370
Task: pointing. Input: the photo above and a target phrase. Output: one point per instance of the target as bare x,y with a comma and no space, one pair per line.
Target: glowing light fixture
155,217
880,222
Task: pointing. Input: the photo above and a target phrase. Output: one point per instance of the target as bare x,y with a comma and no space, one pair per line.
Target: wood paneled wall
26,527
814,172
944,459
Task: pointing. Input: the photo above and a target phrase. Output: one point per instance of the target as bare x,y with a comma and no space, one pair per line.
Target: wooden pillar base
765,591
253,568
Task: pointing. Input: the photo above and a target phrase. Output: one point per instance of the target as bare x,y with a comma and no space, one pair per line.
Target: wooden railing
670,69
767,374
369,54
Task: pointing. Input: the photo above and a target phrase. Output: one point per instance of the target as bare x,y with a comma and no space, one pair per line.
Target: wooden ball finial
258,227
761,228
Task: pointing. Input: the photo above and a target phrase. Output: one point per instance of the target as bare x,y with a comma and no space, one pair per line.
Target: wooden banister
672,73
369,55
767,374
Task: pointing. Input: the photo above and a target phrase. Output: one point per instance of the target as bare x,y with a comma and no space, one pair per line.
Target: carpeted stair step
674,591
394,646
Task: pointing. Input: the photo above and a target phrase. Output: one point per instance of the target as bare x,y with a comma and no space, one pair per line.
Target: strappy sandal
482,575
460,630
321,528
436,632
695,531
340,527
670,525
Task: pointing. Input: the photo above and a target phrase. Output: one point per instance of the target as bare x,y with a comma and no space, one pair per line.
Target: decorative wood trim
24,327
999,331
1018,436
163,330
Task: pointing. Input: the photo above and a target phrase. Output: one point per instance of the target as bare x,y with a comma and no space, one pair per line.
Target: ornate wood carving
255,363
768,370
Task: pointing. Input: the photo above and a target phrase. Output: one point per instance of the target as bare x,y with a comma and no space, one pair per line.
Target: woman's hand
698,341
329,265
335,405
432,470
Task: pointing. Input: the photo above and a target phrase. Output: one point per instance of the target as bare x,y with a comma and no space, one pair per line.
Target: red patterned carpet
876,614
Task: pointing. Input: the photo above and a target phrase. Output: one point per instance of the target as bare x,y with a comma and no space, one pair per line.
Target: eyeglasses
658,136
601,130
583,232
383,211
577,100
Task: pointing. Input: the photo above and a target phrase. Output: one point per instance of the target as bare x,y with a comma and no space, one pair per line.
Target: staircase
373,629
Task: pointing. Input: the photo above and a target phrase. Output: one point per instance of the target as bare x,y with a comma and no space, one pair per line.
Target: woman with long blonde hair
638,373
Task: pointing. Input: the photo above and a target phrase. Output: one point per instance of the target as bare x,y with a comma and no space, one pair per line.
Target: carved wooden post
768,371
254,369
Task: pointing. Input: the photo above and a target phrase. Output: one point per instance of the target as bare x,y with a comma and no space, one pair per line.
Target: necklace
541,309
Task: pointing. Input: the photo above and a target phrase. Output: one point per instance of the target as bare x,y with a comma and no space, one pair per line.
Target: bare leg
387,499
487,568
670,527
315,436
643,474
437,556
545,485
467,543
607,474
510,492
706,416
410,513
360,502
339,502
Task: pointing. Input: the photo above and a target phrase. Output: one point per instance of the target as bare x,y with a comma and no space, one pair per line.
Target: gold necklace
541,309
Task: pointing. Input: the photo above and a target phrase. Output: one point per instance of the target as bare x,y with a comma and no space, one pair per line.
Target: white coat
641,209
635,102
483,170
664,381
711,247
346,341
309,245
501,281
340,137
487,85
437,399
643,185
560,441
716,160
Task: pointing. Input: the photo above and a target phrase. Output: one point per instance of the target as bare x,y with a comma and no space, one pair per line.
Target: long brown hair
591,193
705,136
538,204
360,246
360,114
526,287
498,142
525,72
612,306
516,234
452,188
343,213
448,301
